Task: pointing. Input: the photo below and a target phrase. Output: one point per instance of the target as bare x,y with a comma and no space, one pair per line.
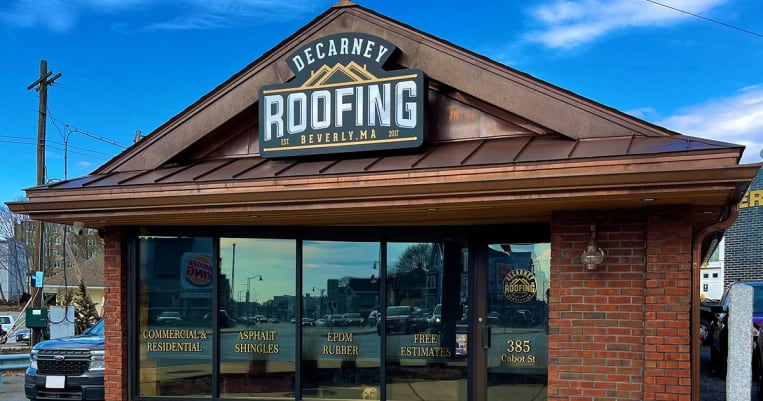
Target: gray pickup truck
69,368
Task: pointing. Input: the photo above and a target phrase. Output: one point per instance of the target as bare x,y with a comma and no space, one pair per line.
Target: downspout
696,260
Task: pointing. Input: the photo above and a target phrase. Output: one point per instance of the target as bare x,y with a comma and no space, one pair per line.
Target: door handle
486,337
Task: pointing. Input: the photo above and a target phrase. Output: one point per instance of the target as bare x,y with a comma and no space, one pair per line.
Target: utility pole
42,87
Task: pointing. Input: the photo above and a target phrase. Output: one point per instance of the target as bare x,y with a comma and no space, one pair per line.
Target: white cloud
62,15
736,119
571,23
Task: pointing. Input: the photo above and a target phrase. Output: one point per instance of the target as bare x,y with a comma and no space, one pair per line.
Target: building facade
13,270
369,212
744,240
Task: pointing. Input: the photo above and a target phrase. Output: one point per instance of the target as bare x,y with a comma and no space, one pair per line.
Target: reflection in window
340,346
257,317
425,321
176,277
517,292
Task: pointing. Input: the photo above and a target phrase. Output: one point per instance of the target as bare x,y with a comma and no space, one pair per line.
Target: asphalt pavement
712,387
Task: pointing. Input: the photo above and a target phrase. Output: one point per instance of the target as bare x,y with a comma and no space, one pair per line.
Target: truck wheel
704,333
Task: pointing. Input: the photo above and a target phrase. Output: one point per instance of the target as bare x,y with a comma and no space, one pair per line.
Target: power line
79,150
113,102
70,128
706,18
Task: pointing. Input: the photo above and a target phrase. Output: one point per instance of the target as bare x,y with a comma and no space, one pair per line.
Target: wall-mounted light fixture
593,255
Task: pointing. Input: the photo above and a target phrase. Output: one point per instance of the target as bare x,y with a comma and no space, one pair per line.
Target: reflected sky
275,260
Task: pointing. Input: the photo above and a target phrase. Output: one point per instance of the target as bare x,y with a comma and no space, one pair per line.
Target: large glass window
426,322
258,317
340,345
285,319
175,287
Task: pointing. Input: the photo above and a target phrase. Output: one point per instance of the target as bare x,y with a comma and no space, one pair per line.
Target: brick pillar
115,315
667,373
596,319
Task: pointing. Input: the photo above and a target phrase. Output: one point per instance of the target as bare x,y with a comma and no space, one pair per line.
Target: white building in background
13,270
711,274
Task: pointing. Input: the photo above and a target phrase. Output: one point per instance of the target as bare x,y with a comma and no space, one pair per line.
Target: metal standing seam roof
450,155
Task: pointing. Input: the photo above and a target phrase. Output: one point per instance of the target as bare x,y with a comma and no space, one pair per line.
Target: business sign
196,270
519,286
342,100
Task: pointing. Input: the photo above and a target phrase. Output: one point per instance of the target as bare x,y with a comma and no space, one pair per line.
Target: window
424,324
258,317
340,345
176,278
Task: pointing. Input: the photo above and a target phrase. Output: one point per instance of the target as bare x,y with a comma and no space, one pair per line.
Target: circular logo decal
519,286
198,270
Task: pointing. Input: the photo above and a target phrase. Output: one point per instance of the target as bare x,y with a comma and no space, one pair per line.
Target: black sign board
342,100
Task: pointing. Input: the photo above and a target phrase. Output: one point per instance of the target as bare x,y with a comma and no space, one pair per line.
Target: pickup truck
69,368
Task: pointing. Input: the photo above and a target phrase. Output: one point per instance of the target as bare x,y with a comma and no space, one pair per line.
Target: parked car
719,344
373,317
169,318
306,321
706,318
335,320
67,368
403,319
23,336
353,319
6,323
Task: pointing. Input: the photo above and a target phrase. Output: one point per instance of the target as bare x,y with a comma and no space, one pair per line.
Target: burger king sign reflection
196,270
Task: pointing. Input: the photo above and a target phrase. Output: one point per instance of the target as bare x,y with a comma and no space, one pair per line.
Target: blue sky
131,65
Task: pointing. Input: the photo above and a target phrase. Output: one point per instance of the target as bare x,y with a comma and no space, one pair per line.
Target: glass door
510,362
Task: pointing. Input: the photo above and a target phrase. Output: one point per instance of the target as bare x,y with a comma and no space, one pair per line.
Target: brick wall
115,314
600,345
744,240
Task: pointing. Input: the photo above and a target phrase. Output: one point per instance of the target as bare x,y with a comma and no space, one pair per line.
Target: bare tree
415,257
14,257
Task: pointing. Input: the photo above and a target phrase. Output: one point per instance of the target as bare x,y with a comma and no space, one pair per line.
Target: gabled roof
503,147
505,88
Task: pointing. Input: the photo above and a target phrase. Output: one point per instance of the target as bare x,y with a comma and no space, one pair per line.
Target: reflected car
403,319
373,317
224,320
169,318
436,318
306,321
353,319
272,320
336,320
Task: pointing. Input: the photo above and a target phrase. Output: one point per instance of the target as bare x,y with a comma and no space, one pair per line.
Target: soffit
454,183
